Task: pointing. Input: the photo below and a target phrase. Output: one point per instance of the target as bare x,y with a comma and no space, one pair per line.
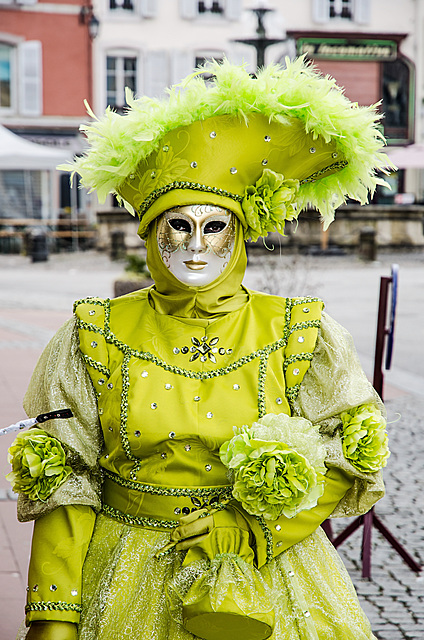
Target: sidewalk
36,299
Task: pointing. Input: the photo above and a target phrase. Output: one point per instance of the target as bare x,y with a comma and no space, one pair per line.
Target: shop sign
347,49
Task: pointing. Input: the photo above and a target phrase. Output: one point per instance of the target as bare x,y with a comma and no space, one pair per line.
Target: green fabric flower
269,203
273,477
38,464
364,438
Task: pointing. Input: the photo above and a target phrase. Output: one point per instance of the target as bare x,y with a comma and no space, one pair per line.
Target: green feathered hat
264,147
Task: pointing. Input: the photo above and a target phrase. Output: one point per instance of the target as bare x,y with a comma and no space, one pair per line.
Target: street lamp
93,26
87,17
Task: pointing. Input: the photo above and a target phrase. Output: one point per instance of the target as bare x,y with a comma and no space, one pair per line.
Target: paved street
36,298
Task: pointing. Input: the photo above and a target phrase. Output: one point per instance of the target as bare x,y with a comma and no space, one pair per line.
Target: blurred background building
56,53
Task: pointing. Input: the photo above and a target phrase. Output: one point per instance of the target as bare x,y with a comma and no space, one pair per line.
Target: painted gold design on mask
214,225
196,238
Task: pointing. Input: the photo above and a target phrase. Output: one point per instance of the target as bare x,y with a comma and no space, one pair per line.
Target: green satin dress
156,381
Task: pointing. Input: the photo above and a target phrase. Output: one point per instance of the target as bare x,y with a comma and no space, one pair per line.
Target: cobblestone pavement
36,299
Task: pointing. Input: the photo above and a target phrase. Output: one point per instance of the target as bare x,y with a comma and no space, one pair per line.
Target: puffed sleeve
60,380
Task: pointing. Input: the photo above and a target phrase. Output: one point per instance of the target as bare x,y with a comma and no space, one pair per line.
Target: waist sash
154,506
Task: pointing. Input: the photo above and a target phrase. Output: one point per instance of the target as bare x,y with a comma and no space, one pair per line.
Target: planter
127,285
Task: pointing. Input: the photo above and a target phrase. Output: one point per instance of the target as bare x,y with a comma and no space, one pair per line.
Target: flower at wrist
364,438
38,464
277,466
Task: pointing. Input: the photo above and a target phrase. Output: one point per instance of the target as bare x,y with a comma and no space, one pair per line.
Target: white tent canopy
17,153
410,157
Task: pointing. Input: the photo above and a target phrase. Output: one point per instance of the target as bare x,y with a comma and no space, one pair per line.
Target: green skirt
126,592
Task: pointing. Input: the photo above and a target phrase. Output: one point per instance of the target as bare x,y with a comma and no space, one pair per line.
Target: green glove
52,631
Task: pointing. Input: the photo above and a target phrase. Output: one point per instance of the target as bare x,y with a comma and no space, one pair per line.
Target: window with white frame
144,8
213,6
6,75
358,11
125,5
341,9
229,9
21,85
121,72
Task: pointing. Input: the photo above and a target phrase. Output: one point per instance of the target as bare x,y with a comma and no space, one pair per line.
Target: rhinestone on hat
171,434
301,339
208,467
110,429
35,587
53,587
312,150
267,138
101,381
74,592
291,574
153,405
176,350
278,527
110,385
186,510
212,134
153,174
137,433
193,164
163,455
196,398
165,148
264,162
305,309
279,401
177,511
209,414
91,312
94,344
168,386
296,372
144,374
306,614
233,170
187,447
335,154
236,387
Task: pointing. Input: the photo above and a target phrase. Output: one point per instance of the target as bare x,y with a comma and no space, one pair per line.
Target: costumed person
214,428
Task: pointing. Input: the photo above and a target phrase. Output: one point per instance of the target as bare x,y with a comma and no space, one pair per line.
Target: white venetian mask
196,242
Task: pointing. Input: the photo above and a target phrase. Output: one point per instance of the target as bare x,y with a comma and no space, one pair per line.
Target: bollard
38,246
368,244
117,245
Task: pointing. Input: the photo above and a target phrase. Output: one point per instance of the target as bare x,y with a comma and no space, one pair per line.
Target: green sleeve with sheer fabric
64,521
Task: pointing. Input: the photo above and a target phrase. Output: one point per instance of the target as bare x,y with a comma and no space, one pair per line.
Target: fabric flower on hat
38,464
364,438
269,203
277,466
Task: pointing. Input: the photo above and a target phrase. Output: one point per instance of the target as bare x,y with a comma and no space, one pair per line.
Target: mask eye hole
179,224
214,226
